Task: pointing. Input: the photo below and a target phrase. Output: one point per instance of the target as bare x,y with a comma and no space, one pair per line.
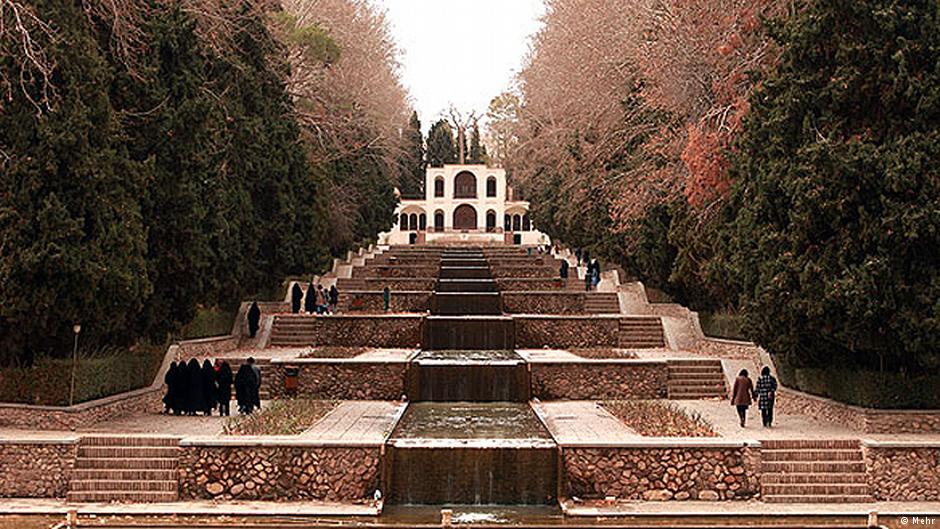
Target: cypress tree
442,148
413,163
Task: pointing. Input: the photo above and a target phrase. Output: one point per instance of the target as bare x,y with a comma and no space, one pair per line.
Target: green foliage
442,148
280,417
477,152
834,232
413,164
721,324
209,322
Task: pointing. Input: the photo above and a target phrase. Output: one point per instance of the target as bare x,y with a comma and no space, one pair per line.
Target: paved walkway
189,508
357,422
581,421
748,508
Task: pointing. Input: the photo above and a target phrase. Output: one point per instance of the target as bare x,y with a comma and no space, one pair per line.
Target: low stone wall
147,400
535,332
508,284
902,421
343,379
729,349
539,271
561,302
351,330
903,471
36,468
861,419
598,379
374,302
266,471
207,347
660,473
398,284
395,271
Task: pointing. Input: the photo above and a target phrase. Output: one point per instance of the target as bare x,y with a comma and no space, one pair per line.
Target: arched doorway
465,217
413,221
465,185
491,220
438,220
516,222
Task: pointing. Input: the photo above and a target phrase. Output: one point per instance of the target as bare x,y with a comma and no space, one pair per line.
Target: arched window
507,222
491,186
438,187
403,222
491,220
465,217
516,223
413,222
526,223
438,220
465,185
422,221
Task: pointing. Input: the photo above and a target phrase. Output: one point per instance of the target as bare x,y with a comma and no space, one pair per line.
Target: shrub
722,324
209,322
280,417
655,418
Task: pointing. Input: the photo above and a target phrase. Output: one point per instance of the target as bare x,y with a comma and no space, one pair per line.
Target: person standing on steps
196,399
244,389
209,390
577,254
223,382
257,372
296,295
742,395
563,270
334,297
386,297
310,300
766,394
254,319
588,280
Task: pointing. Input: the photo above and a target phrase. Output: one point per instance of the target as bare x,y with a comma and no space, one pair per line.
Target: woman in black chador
196,399
223,381
171,399
208,387
246,388
254,319
310,300
296,295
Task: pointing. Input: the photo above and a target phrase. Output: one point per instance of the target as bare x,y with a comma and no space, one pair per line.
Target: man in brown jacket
742,395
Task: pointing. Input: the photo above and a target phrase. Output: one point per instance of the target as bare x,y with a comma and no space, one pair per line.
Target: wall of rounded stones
398,284
514,284
147,400
661,473
561,302
398,302
395,271
600,380
903,473
535,332
366,331
36,469
539,271
345,380
278,472
864,420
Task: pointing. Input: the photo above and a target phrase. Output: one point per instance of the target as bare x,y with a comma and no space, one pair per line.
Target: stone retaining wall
207,347
147,400
662,473
535,332
271,472
530,285
344,380
540,271
398,302
395,271
903,473
561,302
36,469
589,380
861,419
351,330
398,284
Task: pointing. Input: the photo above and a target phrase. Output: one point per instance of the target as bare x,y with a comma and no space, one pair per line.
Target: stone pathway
190,508
747,508
357,422
581,421
162,424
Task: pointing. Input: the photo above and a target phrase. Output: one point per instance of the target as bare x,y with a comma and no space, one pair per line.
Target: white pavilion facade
464,203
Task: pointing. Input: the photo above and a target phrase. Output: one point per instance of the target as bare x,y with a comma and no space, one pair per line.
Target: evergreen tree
476,149
833,223
413,164
442,148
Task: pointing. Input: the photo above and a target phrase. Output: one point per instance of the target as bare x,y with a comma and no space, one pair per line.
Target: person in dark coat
310,300
254,319
195,397
223,385
577,253
563,270
208,387
588,280
334,298
766,395
245,388
169,399
256,369
742,394
296,297
595,272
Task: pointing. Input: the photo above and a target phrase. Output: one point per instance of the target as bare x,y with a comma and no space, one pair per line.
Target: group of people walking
317,299
592,276
745,393
193,389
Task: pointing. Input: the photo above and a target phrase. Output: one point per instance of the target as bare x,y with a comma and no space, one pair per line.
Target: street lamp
77,328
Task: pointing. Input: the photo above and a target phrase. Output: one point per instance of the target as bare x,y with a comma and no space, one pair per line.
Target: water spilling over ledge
478,376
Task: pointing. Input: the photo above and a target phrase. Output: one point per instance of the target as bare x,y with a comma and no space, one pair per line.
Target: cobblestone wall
278,472
861,419
566,332
661,473
395,271
346,380
599,380
507,284
36,470
398,302
561,302
69,418
904,473
534,270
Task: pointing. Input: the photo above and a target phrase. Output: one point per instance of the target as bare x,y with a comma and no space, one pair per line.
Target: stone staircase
696,379
573,283
642,332
350,284
601,303
125,469
292,331
811,471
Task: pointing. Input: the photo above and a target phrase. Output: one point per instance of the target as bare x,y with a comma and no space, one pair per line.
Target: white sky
463,52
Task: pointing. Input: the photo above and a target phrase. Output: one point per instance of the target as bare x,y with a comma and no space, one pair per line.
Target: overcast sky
463,52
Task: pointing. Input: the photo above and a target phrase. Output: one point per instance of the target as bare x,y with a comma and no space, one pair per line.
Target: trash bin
290,379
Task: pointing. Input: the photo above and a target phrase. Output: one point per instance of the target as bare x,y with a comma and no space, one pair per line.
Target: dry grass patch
280,417
657,418
603,353
333,352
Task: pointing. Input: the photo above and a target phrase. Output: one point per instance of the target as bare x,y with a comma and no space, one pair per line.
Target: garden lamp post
77,328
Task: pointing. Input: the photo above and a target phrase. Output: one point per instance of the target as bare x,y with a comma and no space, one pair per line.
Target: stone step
683,369
811,455
123,475
813,467
91,485
862,498
129,441
815,489
790,444
154,452
696,377
126,463
695,362
771,478
121,496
